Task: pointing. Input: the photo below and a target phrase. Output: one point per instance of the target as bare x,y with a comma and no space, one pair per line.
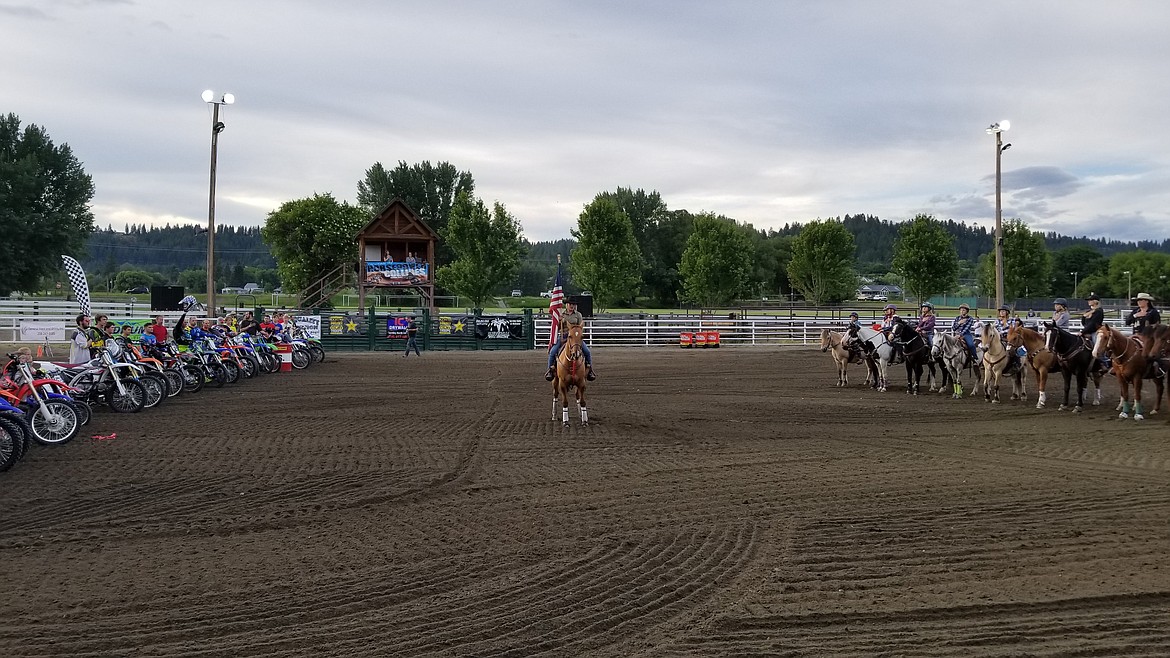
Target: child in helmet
1060,314
925,326
964,327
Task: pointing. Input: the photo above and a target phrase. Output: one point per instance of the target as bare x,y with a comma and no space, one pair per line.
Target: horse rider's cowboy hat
1145,295
1093,296
1060,301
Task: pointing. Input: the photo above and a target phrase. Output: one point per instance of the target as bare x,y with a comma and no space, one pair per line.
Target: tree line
627,247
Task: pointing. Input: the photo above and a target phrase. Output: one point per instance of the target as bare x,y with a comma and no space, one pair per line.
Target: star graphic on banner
350,325
458,326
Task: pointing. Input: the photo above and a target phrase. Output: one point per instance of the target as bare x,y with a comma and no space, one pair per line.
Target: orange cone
40,351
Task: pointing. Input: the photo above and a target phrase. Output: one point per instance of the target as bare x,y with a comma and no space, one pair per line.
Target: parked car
517,293
547,294
253,288
881,298
278,290
138,290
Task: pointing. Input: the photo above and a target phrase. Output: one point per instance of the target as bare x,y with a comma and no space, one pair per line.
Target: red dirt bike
52,415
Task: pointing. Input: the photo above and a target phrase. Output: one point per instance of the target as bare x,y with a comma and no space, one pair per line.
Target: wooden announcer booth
397,251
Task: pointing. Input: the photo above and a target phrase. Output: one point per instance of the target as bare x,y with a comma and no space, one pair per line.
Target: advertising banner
343,325
310,325
396,327
499,327
42,332
393,273
456,326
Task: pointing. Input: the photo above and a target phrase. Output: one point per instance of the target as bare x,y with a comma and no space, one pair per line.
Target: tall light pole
1129,285
997,130
217,127
1074,284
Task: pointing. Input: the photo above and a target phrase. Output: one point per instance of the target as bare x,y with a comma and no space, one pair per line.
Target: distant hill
181,247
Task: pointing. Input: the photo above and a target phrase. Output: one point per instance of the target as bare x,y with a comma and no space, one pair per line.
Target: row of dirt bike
49,403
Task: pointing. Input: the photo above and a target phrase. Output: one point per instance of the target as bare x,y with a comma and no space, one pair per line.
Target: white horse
951,351
834,342
878,352
998,363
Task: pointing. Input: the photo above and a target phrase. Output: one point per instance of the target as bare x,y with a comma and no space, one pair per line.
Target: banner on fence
42,332
310,325
504,327
396,326
342,325
455,326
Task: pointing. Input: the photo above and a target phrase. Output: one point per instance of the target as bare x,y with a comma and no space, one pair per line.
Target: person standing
411,337
81,342
158,330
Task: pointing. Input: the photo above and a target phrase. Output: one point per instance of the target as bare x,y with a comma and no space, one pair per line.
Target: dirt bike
52,416
105,380
14,434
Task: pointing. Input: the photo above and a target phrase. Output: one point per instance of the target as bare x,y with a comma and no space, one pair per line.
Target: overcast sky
768,112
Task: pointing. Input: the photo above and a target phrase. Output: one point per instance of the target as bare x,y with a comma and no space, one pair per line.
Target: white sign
42,332
310,325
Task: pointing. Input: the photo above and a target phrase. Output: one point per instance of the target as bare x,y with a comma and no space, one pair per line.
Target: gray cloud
23,11
770,112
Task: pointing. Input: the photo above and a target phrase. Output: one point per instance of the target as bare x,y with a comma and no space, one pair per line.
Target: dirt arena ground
724,502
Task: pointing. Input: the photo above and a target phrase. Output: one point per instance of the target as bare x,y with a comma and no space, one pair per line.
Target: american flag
555,303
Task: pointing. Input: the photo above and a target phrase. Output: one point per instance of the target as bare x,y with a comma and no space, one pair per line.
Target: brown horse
834,343
570,373
997,363
1129,365
1040,358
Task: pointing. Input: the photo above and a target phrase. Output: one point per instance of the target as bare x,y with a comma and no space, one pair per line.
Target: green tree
925,258
429,190
194,280
607,260
1085,261
128,279
717,264
1149,272
44,205
1026,264
311,237
822,262
487,249
666,240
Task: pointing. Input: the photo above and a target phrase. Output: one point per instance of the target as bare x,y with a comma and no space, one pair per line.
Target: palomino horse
1041,359
951,351
1076,359
570,373
878,353
834,343
1129,364
916,352
997,363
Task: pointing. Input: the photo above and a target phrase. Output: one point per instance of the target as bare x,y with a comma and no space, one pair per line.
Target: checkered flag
78,281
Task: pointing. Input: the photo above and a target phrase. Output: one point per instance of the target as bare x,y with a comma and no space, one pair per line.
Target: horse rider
1060,314
925,326
853,346
1091,321
1145,316
1003,322
964,327
888,315
569,318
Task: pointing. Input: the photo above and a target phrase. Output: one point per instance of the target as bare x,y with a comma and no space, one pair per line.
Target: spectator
158,330
82,340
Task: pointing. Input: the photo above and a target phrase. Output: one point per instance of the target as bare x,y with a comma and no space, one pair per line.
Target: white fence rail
628,331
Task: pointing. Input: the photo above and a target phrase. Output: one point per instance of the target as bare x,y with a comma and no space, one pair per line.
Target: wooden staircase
322,290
